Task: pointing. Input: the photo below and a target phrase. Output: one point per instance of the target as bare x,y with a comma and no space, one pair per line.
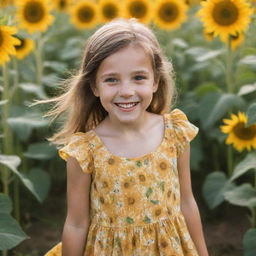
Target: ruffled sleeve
79,148
184,130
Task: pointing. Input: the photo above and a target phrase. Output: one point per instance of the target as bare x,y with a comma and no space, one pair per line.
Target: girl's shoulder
82,136
175,116
79,146
180,128
79,141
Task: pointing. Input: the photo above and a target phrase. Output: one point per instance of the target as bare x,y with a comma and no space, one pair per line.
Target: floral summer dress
135,202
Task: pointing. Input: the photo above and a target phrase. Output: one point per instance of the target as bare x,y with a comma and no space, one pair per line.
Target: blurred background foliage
212,47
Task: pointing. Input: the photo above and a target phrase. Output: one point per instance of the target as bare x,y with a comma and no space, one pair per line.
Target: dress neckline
134,158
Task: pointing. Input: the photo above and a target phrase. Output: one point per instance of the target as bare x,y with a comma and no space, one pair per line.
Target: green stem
230,87
254,208
230,160
16,98
6,130
16,199
38,58
13,94
229,59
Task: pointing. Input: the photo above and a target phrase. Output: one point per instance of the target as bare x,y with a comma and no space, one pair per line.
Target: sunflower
238,134
34,15
225,17
208,35
139,9
84,14
109,9
7,43
236,40
192,2
62,5
132,202
170,14
25,47
5,3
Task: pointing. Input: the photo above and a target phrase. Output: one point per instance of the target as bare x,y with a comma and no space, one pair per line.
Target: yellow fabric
135,202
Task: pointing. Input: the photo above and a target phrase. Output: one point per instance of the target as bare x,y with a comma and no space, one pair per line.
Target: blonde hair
82,110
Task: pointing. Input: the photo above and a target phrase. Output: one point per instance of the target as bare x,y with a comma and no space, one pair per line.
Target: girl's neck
125,129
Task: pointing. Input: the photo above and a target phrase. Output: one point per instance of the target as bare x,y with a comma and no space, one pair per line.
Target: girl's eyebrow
109,74
116,74
140,72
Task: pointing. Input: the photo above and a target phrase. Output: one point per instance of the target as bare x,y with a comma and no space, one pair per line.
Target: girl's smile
125,84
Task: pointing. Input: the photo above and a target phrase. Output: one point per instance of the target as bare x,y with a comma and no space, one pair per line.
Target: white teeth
129,105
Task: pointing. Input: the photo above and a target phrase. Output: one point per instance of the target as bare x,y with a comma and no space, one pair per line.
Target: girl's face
125,84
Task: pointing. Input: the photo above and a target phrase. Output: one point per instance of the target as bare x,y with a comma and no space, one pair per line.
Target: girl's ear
155,86
95,90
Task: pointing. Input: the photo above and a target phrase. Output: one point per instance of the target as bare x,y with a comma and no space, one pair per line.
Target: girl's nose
126,90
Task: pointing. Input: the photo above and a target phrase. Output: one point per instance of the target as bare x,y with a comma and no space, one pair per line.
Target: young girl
128,177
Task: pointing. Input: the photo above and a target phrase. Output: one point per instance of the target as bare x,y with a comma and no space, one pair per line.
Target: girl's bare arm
78,199
189,206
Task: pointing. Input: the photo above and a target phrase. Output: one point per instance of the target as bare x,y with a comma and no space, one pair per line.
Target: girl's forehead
134,55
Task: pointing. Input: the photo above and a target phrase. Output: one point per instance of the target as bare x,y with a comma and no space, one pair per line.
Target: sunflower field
212,45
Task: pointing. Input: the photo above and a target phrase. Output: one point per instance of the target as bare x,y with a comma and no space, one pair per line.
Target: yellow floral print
135,202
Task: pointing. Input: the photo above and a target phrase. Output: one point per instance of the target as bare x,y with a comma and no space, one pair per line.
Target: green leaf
36,181
129,220
214,187
214,106
249,60
249,244
154,201
34,89
12,162
205,88
248,163
196,51
72,54
149,192
251,113
147,219
244,195
56,66
50,80
180,43
161,184
246,89
138,163
11,233
2,102
23,125
40,151
209,55
5,204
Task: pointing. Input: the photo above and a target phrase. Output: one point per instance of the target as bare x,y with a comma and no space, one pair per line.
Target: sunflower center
245,133
109,11
138,9
225,13
62,4
85,14
34,12
168,12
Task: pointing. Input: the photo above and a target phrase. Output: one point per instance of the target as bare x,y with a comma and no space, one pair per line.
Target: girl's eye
111,80
138,78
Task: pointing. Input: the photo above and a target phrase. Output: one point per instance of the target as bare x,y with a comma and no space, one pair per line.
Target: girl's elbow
188,204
